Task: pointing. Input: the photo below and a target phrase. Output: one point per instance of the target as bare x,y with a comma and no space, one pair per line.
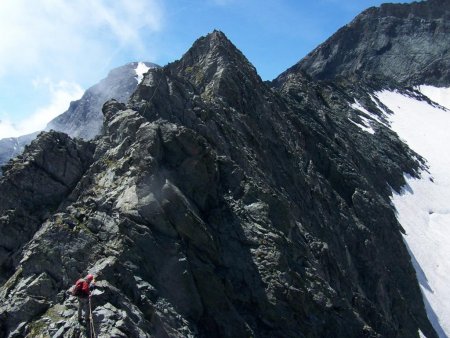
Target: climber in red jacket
82,290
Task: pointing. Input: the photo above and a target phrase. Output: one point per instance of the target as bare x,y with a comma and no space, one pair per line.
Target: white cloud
70,42
7,129
57,33
61,94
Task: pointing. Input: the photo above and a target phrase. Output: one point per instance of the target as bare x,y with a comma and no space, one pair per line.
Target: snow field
423,206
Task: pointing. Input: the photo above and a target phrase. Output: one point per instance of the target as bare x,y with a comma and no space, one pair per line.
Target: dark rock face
217,206
408,43
33,186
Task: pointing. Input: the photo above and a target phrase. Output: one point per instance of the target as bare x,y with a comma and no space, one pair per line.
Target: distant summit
84,117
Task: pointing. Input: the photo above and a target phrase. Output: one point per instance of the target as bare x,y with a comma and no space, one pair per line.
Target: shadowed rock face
32,188
214,205
408,43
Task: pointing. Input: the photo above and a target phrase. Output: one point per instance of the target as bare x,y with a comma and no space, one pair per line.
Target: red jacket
81,288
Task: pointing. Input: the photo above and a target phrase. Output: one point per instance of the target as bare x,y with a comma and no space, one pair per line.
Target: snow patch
380,119
140,70
359,107
423,207
439,95
366,124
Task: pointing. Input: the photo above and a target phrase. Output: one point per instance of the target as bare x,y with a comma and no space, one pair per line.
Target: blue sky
52,50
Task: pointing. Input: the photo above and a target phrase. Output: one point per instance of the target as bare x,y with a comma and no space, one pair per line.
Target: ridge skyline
260,38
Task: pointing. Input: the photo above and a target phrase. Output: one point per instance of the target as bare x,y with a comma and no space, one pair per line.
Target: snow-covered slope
438,95
424,204
365,123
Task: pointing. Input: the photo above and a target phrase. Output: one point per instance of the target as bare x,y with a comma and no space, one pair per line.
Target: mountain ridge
216,204
387,42
83,118
198,198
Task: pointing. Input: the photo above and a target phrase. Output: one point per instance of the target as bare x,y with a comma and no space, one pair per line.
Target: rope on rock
91,321
153,95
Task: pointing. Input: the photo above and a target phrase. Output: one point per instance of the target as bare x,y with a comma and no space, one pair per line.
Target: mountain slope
375,59
215,205
84,118
407,43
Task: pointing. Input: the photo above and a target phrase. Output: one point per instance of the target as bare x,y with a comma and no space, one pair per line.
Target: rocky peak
217,68
211,50
388,42
212,71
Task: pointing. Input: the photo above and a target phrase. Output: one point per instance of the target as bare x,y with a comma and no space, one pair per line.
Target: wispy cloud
61,94
74,43
58,31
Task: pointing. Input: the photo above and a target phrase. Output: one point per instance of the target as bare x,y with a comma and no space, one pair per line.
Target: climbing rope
156,88
153,95
91,321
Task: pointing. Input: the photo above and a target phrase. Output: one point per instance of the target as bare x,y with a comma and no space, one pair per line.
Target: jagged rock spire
216,67
213,50
213,69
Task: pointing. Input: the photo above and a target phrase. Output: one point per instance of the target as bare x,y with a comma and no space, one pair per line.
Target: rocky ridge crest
406,43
